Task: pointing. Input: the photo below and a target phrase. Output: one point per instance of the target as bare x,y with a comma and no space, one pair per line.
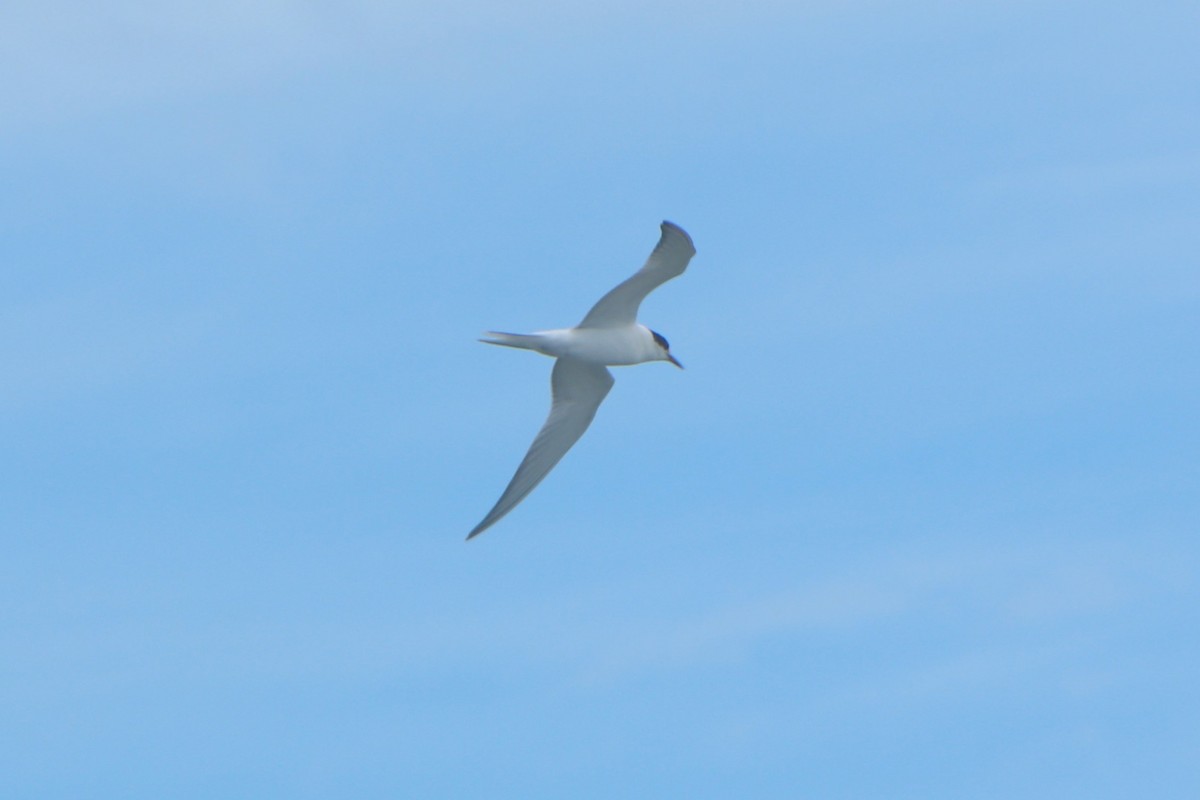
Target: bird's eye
662,341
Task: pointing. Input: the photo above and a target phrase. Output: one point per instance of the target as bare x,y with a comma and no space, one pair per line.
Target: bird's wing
578,389
669,259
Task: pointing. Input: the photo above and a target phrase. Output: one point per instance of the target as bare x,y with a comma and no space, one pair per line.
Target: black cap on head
662,340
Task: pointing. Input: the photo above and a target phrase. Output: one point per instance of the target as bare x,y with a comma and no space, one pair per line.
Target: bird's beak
674,360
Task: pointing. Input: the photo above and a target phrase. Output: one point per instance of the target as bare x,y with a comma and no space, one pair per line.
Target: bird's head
664,349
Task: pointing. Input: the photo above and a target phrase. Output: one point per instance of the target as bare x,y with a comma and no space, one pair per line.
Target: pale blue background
918,521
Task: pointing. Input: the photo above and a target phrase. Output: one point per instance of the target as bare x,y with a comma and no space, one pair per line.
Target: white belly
609,346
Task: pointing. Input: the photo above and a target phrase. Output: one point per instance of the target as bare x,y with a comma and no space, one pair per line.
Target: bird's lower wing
578,389
669,259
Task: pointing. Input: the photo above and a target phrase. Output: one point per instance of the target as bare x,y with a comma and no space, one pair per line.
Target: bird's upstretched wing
578,389
669,259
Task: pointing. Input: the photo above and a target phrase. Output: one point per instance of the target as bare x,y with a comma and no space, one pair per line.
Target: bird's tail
525,341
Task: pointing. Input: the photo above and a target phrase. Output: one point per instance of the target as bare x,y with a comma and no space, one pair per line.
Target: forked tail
525,341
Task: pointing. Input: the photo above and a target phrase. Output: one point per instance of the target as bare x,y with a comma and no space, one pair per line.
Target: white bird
608,336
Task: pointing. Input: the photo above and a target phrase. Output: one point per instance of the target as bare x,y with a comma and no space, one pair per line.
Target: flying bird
609,336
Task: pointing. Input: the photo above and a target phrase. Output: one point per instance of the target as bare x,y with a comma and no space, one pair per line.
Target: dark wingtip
668,225
480,528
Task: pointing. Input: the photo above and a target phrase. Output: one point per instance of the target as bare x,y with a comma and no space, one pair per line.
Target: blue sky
918,521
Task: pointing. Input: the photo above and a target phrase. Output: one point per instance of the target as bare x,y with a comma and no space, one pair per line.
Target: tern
609,336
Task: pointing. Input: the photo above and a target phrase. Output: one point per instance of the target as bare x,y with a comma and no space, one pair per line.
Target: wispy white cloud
1005,589
65,60
79,343
68,59
1091,178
